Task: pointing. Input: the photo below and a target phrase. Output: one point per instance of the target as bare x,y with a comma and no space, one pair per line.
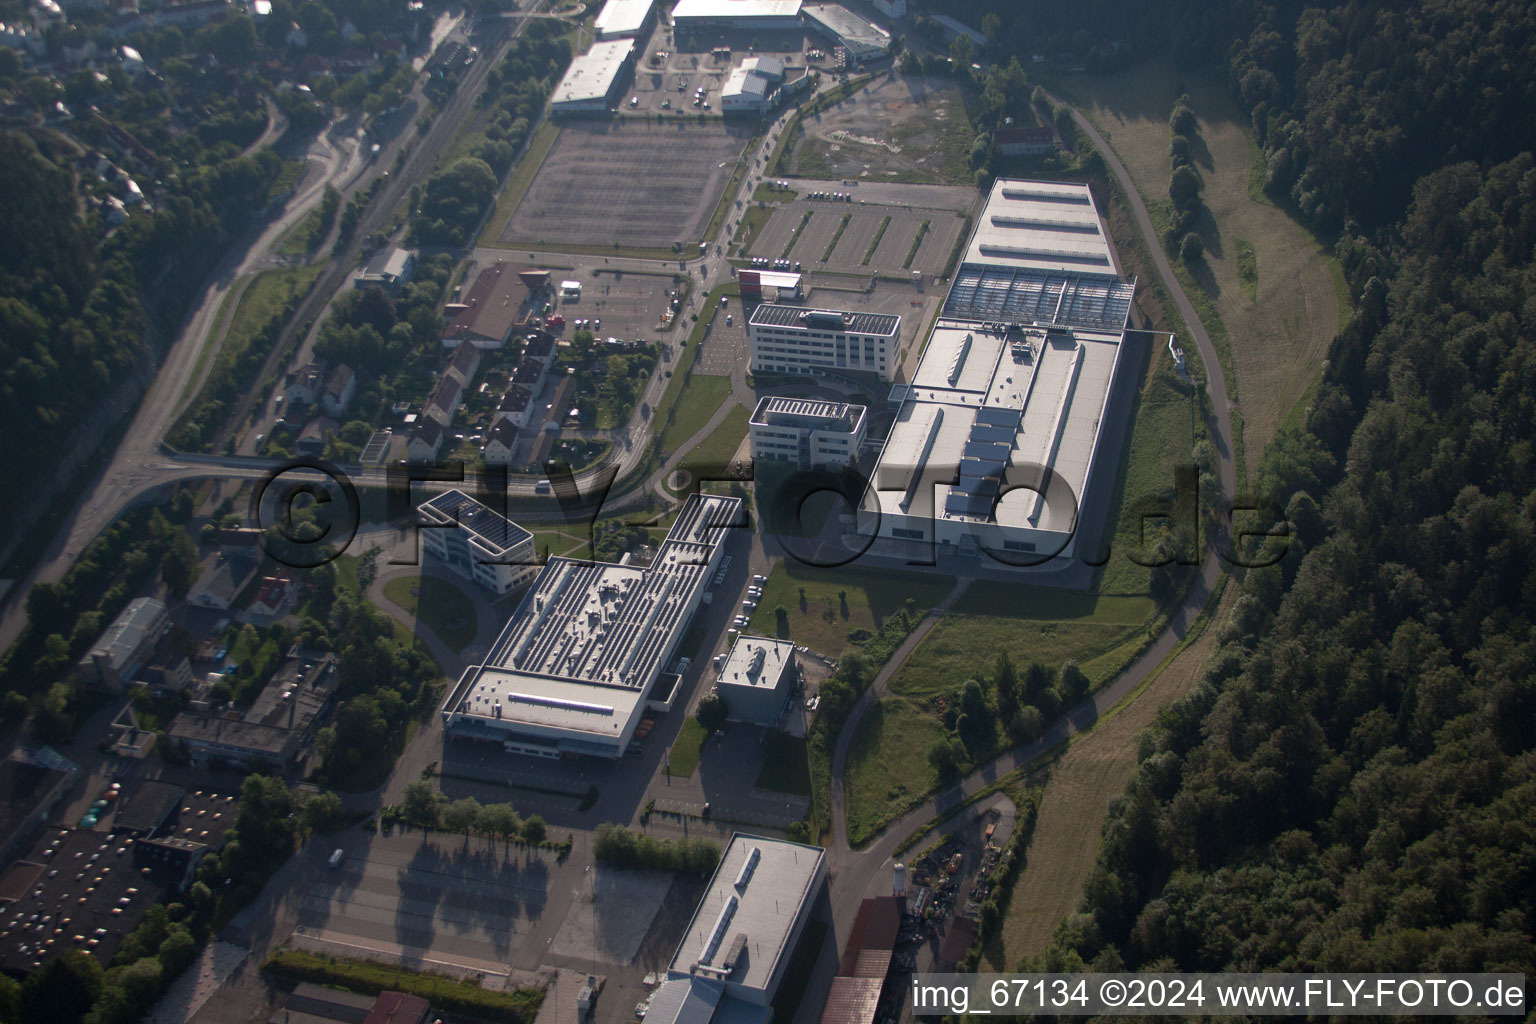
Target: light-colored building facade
122,648
993,448
478,543
807,433
701,15
758,679
862,38
792,339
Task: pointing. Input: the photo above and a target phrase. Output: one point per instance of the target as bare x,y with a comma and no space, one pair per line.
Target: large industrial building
862,38
793,339
1013,387
586,650
595,78
750,918
699,15
808,433
625,19
478,543
757,679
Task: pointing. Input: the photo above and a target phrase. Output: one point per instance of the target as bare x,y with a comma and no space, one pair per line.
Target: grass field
518,181
701,398
888,768
300,238
443,607
823,622
685,750
264,298
1279,329
1092,772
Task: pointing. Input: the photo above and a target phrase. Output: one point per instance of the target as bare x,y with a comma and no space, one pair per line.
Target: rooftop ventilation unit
745,874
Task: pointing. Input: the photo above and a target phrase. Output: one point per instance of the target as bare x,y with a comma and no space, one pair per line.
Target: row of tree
425,806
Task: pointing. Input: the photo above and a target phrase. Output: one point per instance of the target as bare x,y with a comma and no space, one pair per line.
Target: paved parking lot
864,221
435,898
666,178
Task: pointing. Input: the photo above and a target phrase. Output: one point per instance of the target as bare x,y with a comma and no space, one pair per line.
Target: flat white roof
743,667
622,17
762,904
746,82
736,9
1036,225
1016,373
592,74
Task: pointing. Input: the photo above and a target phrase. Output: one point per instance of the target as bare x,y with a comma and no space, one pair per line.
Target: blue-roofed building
478,543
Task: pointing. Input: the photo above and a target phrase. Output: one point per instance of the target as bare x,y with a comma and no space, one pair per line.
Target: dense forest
1352,783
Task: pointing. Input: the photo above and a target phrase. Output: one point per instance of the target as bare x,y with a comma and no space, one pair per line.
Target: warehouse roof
592,75
751,907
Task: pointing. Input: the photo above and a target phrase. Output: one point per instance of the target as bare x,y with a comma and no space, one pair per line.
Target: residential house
500,443
426,441
466,360
339,388
444,401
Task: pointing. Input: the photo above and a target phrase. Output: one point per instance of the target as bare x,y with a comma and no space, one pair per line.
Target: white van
337,857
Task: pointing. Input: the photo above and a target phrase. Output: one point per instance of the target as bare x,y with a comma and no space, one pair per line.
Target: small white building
758,679
477,543
388,269
807,433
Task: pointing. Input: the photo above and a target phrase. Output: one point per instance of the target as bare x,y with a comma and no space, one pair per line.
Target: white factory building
863,39
757,679
744,931
595,78
793,339
588,647
807,433
699,15
477,542
625,19
1012,389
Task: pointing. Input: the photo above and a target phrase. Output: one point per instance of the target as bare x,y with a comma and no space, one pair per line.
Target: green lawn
301,237
787,768
559,542
1162,438
823,624
700,399
685,752
718,447
962,646
445,609
888,770
262,299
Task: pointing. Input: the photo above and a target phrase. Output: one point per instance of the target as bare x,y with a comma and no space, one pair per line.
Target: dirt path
1280,327
1094,771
